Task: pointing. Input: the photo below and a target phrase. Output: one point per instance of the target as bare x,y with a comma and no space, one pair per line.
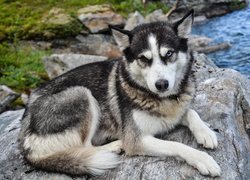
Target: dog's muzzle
162,85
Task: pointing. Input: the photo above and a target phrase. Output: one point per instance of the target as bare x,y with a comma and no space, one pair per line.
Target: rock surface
196,41
222,100
56,16
97,18
97,44
57,23
7,96
156,15
202,44
57,64
209,8
133,20
213,48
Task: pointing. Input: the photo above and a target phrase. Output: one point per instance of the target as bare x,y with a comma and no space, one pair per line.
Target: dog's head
157,53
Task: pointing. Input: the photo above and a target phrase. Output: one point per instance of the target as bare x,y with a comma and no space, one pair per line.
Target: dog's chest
166,118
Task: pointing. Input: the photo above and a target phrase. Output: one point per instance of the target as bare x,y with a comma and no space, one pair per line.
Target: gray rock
156,15
133,20
209,8
57,64
213,48
202,44
200,19
196,41
56,18
97,18
101,45
7,96
222,100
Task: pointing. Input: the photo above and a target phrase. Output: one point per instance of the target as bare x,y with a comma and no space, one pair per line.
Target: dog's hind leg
57,132
203,134
198,159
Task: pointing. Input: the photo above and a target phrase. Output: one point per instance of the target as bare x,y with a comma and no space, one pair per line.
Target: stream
235,29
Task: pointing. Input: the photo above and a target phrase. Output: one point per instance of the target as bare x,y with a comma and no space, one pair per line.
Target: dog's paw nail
206,165
207,138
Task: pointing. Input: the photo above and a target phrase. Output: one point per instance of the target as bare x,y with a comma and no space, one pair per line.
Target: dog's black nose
162,85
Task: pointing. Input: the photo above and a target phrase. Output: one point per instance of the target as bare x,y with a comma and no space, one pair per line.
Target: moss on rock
237,4
45,19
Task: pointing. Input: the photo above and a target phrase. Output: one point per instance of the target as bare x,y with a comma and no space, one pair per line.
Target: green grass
22,18
21,68
236,5
129,6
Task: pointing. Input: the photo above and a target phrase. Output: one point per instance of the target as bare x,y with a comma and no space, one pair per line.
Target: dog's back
60,121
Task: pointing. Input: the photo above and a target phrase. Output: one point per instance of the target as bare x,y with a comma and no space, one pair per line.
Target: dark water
235,29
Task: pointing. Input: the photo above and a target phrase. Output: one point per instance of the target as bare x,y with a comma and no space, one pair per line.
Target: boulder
200,19
7,96
97,18
209,8
196,41
156,15
202,44
56,23
213,48
95,9
222,100
57,64
133,20
136,18
93,44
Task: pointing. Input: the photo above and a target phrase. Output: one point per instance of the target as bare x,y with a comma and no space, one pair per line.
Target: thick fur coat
78,122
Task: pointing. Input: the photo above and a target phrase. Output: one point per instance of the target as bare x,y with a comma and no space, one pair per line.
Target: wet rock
202,44
57,64
7,96
200,19
222,100
133,20
97,18
213,48
196,41
101,45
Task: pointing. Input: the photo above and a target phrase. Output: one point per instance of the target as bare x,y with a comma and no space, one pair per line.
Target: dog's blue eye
169,53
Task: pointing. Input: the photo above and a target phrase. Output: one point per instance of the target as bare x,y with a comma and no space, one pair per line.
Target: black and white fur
79,121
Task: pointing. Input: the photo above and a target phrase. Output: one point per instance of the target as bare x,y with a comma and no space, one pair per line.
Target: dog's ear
183,26
122,37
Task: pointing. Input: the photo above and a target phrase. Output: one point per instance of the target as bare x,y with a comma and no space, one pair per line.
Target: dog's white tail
77,161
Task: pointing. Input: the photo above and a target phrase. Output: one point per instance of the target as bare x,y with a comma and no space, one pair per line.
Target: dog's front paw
205,136
204,163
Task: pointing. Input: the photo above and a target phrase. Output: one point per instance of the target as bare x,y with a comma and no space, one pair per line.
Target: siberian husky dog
79,122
